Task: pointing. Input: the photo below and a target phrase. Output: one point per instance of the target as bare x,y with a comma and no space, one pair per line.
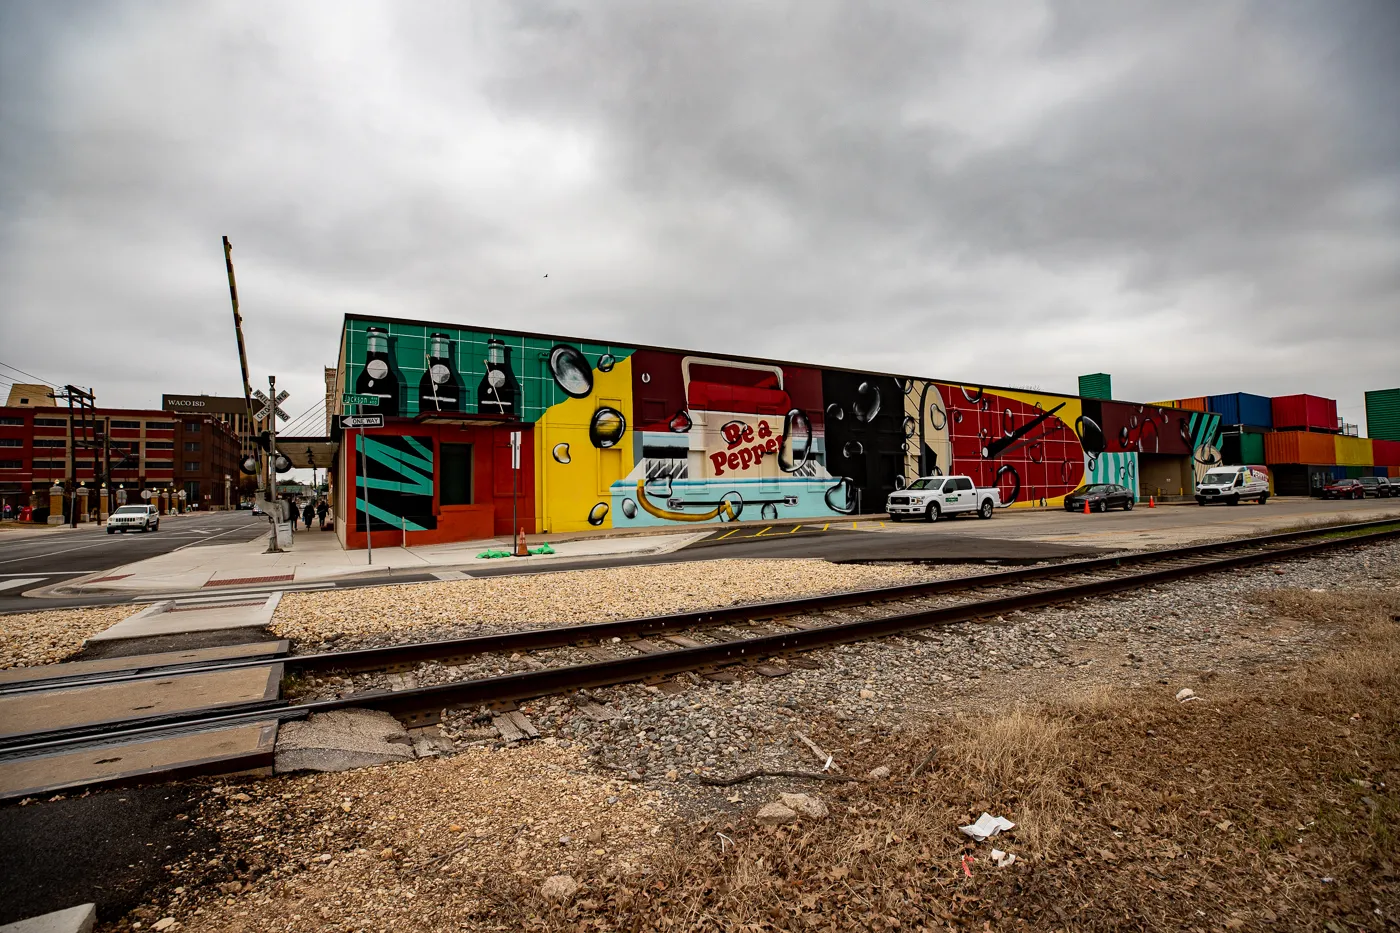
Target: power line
51,385
302,422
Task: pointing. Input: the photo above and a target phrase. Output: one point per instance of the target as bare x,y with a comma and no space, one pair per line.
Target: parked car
1378,487
931,497
1233,484
1101,497
1344,489
133,518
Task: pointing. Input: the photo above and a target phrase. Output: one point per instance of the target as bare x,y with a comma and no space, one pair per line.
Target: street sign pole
364,481
514,490
360,422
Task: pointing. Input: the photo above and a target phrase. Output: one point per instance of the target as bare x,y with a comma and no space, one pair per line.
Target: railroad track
707,641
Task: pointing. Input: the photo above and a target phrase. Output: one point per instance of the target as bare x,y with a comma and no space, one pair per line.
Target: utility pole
85,400
242,349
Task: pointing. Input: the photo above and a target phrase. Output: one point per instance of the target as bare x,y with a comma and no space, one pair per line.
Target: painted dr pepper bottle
380,376
499,388
441,388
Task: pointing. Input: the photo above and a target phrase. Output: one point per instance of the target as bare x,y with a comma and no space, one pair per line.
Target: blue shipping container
1242,408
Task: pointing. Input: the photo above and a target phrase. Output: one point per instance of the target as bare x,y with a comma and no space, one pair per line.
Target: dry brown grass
1133,811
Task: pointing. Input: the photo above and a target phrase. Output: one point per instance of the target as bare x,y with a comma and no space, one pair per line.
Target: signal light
250,465
281,463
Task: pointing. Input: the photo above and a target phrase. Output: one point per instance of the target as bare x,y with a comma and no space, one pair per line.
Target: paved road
30,559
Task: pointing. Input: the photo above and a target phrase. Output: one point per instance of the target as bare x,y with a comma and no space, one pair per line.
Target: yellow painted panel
567,493
1354,451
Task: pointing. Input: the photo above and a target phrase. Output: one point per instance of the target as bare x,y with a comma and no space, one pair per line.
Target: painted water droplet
867,402
680,422
1090,434
911,425
598,513
900,482
606,362
571,370
852,450
769,512
1123,435
974,397
904,447
796,444
731,506
907,385
842,496
607,427
629,508
1008,472
1008,423
561,453
834,412
957,417
937,416
646,377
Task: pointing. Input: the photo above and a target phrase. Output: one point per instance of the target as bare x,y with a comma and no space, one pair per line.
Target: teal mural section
422,368
1119,468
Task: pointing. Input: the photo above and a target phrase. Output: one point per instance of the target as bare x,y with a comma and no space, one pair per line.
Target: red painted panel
1305,411
1046,462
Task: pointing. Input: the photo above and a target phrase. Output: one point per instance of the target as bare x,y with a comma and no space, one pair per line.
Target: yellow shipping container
1167,403
1354,451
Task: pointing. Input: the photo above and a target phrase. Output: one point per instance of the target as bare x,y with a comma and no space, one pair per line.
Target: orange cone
521,548
1086,506
1151,502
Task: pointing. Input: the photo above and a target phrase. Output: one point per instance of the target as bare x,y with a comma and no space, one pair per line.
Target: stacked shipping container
1307,412
1243,409
1299,447
1353,451
1383,415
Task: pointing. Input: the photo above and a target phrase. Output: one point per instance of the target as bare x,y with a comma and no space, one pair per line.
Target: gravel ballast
31,638
384,615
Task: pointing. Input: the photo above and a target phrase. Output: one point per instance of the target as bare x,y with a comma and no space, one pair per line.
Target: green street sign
350,399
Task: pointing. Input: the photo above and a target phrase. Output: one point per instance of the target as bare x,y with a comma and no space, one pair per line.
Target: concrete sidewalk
317,556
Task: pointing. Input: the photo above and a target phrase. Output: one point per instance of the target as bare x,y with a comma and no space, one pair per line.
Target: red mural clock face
1027,451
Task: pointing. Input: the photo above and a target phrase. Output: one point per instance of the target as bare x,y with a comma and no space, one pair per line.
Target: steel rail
407,655
420,703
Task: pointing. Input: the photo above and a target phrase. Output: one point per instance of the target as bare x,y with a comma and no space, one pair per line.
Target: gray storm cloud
1196,198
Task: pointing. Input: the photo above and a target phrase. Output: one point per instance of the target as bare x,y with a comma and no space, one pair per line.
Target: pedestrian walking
321,509
307,514
292,507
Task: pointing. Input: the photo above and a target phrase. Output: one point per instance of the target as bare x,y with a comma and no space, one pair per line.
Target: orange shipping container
1300,447
1354,451
1193,404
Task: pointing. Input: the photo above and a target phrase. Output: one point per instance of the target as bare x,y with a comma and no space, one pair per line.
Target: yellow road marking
794,529
760,533
826,526
727,534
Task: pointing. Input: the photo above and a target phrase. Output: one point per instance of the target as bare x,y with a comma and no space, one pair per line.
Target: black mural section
864,439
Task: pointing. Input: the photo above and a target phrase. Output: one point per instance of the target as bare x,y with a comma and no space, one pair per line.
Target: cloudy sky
1196,198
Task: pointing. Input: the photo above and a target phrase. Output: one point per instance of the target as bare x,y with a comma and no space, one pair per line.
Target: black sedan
1101,497
1344,489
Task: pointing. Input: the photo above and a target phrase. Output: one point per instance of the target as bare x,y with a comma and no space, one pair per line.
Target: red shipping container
1305,411
1387,453
1299,447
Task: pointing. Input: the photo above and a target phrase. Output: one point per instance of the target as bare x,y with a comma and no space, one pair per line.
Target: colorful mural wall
622,436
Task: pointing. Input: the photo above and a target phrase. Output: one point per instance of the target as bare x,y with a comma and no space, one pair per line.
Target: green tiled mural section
527,357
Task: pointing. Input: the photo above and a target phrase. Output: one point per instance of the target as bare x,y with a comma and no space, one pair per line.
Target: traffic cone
521,548
1151,502
1086,506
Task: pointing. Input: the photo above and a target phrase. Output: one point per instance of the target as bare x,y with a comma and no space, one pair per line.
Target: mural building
619,436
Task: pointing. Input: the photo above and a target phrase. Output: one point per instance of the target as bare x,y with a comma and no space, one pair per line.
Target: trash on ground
986,826
492,553
1185,695
1002,859
542,549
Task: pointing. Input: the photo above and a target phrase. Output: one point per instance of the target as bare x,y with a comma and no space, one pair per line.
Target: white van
1233,484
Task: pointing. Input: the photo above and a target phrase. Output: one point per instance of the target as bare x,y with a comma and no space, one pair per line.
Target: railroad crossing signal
270,407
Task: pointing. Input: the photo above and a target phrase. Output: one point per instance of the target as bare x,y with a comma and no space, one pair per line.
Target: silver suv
133,518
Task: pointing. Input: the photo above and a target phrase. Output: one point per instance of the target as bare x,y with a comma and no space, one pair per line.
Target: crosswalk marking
23,581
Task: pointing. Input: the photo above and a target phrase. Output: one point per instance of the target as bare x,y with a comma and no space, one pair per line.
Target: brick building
127,449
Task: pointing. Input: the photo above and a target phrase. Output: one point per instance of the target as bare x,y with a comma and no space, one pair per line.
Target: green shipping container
1251,449
1355,472
1096,385
1382,413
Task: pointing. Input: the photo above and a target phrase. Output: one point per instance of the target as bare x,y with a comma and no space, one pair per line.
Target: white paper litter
1002,859
986,826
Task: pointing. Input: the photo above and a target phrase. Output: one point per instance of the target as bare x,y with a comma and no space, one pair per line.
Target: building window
191,427
49,442
191,445
51,422
11,464
11,442
455,481
191,491
191,466
160,445
154,425
126,424
50,464
12,422
158,464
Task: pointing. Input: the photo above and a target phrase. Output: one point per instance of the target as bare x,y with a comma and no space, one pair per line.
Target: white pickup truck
931,497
